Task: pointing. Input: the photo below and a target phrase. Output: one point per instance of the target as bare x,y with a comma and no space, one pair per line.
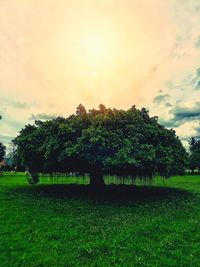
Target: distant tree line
101,141
2,151
2,154
194,157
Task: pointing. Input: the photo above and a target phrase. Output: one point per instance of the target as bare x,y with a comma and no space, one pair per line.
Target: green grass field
68,225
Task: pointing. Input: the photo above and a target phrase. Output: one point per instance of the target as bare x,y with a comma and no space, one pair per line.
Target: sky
56,54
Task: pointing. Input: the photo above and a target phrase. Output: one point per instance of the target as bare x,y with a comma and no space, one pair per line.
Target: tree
2,148
102,108
194,158
192,142
103,141
80,110
2,151
2,154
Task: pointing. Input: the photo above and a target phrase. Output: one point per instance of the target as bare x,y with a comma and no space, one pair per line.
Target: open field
68,225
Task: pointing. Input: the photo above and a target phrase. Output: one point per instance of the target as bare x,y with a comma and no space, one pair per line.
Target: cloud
197,129
197,86
198,72
7,102
195,80
182,114
187,130
161,98
197,44
168,105
43,116
189,81
169,84
20,105
5,139
186,113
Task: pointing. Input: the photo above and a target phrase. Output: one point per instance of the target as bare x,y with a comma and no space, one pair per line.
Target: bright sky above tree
57,54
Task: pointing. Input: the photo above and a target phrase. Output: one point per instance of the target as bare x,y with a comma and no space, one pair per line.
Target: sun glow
97,51
99,57
96,48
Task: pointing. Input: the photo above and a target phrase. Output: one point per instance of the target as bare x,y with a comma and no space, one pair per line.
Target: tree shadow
111,193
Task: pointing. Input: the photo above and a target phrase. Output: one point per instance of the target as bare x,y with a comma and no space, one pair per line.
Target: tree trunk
96,179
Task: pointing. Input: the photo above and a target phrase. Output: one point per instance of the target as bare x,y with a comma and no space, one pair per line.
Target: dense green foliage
99,142
194,159
2,151
68,225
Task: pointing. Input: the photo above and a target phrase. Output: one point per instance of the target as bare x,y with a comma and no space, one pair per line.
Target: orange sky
57,54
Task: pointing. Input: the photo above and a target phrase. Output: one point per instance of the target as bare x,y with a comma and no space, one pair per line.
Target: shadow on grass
111,193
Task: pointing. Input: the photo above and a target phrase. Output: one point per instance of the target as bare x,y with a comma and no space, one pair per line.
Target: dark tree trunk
96,179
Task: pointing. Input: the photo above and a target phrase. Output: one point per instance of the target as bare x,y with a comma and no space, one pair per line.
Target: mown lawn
68,225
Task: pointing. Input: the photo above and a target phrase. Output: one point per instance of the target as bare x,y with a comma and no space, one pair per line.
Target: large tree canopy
99,142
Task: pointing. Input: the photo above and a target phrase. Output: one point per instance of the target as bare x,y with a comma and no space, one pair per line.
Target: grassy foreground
67,225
